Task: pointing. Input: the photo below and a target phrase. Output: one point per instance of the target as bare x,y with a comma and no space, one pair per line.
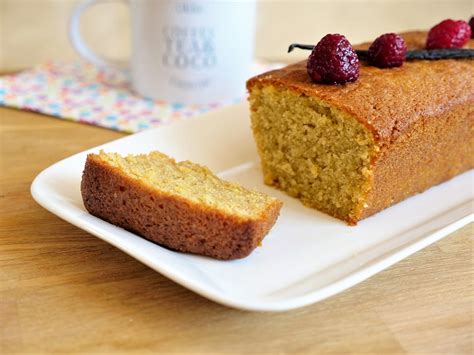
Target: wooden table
64,290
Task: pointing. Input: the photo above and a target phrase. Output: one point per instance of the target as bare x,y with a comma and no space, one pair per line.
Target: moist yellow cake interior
312,151
190,181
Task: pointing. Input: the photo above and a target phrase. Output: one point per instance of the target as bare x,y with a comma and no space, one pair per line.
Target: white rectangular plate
307,256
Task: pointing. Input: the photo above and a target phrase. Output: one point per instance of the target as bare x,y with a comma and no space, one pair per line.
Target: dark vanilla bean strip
432,54
300,46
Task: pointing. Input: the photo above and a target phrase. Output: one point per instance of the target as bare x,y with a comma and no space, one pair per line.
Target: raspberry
471,23
448,34
333,61
387,51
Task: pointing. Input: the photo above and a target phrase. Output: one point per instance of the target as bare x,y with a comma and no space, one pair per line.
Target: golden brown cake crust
169,220
421,116
426,155
428,88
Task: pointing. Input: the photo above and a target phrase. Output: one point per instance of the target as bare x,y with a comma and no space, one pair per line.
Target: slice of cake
182,206
352,150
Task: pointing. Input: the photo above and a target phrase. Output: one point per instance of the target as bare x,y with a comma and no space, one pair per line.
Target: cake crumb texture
180,205
312,151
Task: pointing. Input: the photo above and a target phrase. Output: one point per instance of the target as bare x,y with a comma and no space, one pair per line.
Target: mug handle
78,43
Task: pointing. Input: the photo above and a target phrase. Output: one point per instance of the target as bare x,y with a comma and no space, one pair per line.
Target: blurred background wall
33,31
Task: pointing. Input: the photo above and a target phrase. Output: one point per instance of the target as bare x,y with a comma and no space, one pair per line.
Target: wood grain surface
63,290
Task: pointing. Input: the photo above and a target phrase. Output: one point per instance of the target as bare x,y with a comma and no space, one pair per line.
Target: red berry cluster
387,51
448,34
334,61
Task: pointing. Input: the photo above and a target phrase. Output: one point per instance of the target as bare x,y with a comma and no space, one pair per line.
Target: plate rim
369,269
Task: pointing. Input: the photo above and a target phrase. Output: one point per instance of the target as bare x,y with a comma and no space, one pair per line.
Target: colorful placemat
82,92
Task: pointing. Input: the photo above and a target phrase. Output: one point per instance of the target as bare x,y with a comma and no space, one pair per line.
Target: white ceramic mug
186,51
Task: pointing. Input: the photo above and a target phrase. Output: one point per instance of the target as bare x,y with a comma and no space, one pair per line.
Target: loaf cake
180,205
352,150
